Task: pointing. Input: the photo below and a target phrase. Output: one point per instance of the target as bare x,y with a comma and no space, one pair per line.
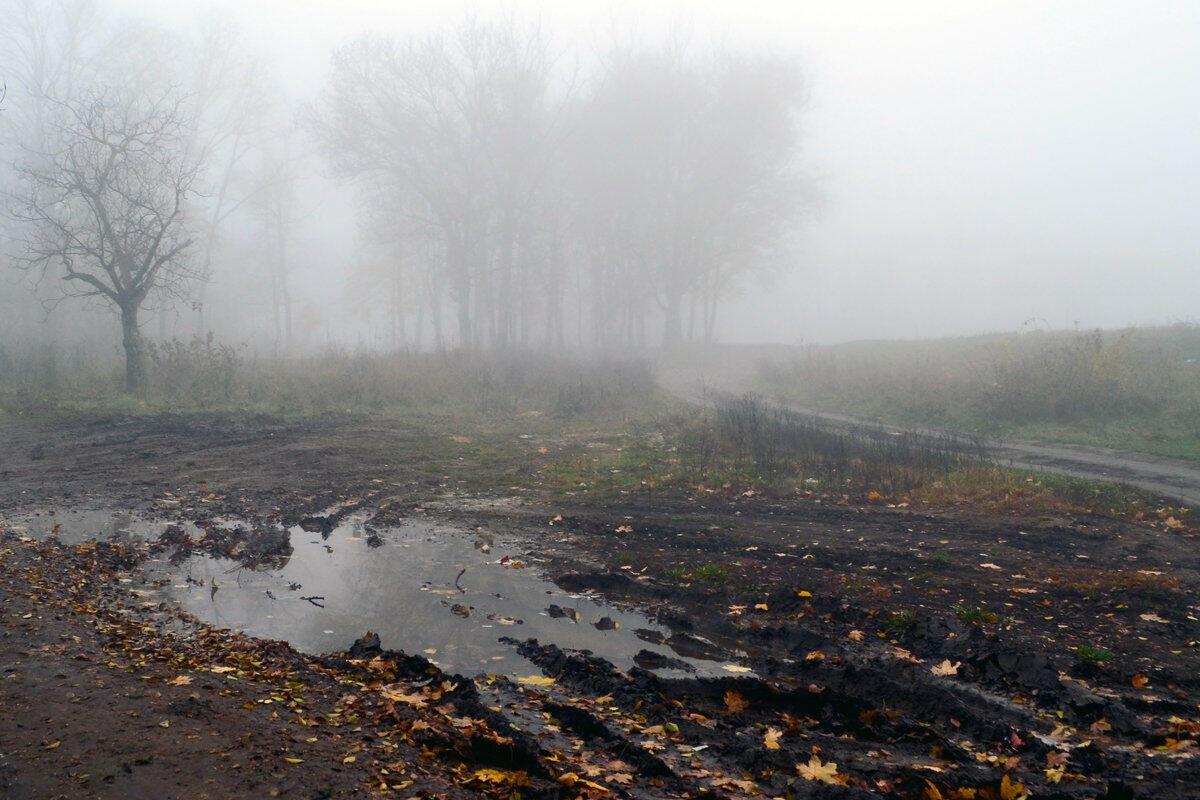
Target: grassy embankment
1136,389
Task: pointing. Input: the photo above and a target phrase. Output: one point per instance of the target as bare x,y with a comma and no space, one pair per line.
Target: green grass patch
1091,654
704,573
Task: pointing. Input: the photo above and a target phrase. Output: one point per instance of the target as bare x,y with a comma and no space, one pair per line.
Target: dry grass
206,375
1135,389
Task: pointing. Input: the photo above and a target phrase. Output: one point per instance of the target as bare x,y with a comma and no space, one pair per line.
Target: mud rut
873,707
890,724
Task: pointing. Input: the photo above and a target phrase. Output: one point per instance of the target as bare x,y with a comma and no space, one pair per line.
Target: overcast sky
980,164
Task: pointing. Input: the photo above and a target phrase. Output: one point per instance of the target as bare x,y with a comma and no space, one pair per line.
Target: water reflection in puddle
424,589
76,525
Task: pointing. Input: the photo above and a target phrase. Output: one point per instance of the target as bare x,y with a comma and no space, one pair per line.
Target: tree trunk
135,353
673,321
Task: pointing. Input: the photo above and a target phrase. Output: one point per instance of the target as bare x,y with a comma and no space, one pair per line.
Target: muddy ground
880,651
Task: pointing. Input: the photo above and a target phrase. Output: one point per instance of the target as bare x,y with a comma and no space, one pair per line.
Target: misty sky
979,164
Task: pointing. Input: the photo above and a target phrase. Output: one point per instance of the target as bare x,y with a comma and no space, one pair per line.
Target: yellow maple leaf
814,770
771,738
501,776
1012,790
735,703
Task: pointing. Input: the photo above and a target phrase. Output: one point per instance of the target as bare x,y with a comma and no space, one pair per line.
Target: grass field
1136,389
602,427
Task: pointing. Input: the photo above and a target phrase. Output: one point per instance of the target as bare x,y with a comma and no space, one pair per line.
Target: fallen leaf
1012,790
502,776
814,770
535,680
771,738
946,669
735,703
1139,680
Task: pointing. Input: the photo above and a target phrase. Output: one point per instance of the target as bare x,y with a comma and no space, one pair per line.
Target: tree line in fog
508,190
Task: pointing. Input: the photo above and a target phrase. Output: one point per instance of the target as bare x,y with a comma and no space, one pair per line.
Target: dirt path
1170,478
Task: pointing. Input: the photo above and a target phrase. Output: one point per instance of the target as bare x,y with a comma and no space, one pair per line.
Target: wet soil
875,651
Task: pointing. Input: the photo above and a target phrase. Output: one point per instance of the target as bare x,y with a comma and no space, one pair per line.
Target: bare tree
276,207
649,197
454,130
687,175
105,204
231,97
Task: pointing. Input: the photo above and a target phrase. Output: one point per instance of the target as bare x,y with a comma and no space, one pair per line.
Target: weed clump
975,615
900,624
1090,654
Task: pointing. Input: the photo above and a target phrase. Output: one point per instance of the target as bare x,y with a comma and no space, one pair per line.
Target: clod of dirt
601,582
267,544
562,612
366,646
651,636
648,659
321,525
606,624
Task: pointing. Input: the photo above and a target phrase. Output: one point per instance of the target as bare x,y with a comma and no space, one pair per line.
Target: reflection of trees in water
381,590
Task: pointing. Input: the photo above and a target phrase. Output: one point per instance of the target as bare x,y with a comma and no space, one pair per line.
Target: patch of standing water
76,525
423,589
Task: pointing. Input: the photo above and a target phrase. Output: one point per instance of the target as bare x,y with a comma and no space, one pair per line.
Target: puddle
76,525
424,589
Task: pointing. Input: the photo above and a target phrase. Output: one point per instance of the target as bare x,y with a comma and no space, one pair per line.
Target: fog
951,169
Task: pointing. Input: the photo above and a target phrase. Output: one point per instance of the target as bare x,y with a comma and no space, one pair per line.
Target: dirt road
1170,478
